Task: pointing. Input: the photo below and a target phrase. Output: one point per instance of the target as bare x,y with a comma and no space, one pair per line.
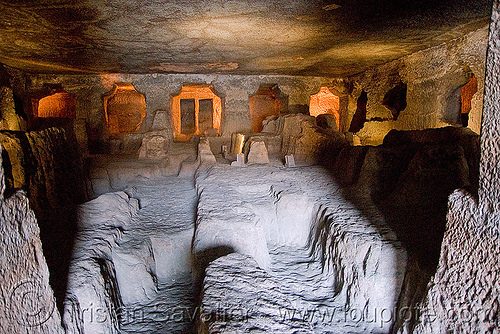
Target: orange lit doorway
124,108
196,110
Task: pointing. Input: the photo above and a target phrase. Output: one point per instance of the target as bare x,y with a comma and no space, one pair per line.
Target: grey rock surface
131,268
205,153
303,210
161,121
155,145
463,295
258,153
489,191
92,280
115,173
229,282
157,141
27,301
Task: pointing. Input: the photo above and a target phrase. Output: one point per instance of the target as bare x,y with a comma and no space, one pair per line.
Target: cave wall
9,118
463,295
46,165
158,89
26,299
409,178
433,77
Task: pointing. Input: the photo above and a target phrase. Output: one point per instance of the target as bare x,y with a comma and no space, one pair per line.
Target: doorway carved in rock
196,110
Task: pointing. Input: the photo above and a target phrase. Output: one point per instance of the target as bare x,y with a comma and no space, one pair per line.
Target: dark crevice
110,284
395,99
19,107
359,118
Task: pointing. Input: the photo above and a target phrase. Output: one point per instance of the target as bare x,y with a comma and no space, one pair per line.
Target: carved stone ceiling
293,37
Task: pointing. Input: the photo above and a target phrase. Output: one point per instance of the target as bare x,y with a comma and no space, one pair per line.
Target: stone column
8,117
489,180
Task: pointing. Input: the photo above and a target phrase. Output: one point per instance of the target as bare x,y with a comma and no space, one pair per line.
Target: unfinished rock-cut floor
336,268
147,253
141,255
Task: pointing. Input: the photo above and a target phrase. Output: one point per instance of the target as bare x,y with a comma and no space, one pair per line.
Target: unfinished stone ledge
92,280
301,136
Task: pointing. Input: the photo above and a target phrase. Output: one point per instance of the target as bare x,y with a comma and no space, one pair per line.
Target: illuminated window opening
325,102
196,110
125,109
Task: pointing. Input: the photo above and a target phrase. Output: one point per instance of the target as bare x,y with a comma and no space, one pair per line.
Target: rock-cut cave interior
231,166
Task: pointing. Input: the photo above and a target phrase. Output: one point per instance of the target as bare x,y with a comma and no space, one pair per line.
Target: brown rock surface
246,37
303,138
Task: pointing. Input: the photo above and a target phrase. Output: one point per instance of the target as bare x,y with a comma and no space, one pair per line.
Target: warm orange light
325,102
125,108
60,105
263,104
466,93
196,93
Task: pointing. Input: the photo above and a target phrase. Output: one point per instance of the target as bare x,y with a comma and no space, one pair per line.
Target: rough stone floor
283,208
309,289
153,254
167,212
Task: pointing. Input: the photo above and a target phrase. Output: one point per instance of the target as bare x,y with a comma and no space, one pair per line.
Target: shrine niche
467,92
325,102
268,101
196,110
125,109
59,104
